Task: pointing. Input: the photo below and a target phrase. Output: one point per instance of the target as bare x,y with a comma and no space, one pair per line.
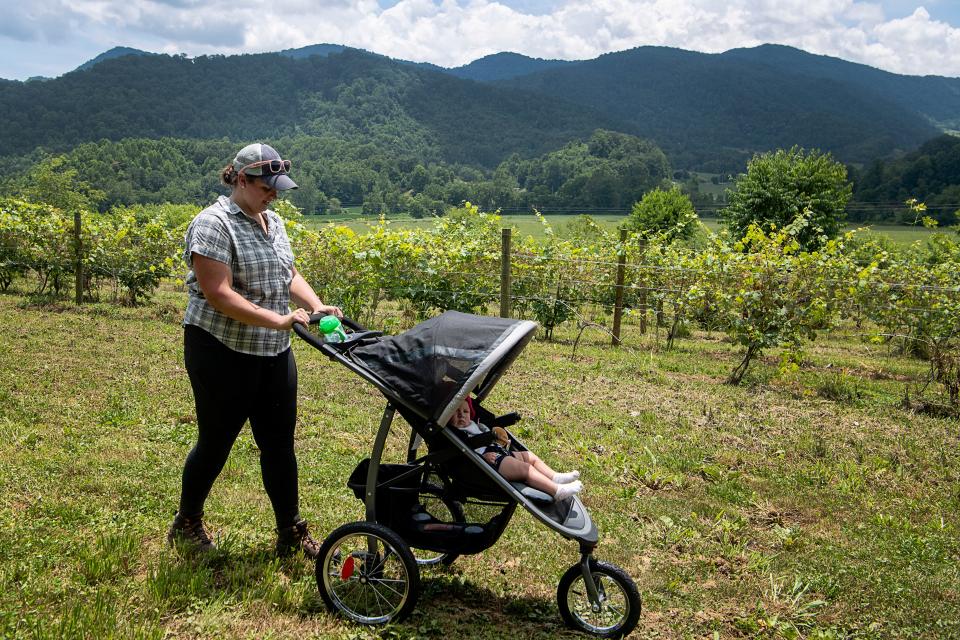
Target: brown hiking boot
190,531
296,538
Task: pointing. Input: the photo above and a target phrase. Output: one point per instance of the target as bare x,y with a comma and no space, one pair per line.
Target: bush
780,186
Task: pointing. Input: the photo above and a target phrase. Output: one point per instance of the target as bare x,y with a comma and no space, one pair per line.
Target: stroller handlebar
347,322
358,333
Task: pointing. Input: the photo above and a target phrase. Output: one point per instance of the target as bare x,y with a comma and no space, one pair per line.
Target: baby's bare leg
533,459
517,470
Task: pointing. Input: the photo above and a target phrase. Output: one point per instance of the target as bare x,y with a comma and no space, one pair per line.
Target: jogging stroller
448,501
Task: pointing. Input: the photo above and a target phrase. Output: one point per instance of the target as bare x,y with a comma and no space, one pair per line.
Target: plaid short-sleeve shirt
262,268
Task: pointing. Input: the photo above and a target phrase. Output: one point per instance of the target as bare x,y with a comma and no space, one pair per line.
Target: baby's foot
564,478
564,491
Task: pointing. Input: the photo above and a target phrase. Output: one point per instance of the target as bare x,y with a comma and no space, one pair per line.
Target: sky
52,37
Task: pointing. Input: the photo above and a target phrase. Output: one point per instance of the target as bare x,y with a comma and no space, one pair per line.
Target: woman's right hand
287,321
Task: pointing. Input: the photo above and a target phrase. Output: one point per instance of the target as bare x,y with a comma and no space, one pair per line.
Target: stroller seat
467,481
533,494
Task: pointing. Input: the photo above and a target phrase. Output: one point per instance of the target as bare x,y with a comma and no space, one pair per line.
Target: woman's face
257,194
461,417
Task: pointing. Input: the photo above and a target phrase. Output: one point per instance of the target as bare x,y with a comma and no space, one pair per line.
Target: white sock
563,478
566,490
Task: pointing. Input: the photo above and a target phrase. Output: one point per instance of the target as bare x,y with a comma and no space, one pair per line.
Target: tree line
931,174
607,170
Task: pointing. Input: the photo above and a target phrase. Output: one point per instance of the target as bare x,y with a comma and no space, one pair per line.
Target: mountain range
707,111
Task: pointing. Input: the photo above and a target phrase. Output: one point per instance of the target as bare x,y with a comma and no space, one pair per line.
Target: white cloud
914,41
452,32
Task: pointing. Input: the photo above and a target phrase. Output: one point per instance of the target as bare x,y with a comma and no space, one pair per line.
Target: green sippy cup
332,329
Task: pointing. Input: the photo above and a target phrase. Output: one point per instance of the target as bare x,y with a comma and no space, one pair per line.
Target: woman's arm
304,295
216,280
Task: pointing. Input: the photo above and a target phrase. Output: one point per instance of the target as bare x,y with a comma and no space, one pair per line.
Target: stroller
448,501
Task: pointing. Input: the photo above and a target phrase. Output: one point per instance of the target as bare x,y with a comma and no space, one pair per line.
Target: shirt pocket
257,272
285,255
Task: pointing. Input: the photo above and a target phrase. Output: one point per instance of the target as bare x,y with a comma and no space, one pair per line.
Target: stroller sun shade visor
436,364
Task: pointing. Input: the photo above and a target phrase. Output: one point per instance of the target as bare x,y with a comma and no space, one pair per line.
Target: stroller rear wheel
442,507
367,572
618,610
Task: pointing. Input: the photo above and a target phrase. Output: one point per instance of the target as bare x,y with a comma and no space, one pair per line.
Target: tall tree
782,185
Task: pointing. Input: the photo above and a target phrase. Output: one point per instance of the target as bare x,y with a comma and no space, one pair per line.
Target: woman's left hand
329,310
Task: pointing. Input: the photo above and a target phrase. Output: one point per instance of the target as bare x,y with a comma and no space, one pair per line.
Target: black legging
228,388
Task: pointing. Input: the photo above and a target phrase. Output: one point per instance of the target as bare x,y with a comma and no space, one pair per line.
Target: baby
518,466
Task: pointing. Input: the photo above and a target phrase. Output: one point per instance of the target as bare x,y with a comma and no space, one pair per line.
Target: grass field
530,225
807,504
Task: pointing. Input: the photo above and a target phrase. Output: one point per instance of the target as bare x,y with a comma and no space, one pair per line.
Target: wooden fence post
505,282
643,297
621,269
78,256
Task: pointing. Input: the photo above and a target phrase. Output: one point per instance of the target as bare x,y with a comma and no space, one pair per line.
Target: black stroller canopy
436,364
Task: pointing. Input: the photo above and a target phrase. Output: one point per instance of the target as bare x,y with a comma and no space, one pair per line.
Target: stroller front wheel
367,572
618,610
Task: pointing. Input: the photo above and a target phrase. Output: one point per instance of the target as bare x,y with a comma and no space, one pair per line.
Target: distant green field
530,225
525,224
900,234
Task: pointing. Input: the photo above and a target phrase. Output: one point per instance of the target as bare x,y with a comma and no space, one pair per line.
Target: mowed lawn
808,504
529,225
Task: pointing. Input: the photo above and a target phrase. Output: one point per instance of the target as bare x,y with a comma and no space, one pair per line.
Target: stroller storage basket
399,505
398,497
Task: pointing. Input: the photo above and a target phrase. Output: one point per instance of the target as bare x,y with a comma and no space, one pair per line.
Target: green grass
524,224
900,234
807,502
530,225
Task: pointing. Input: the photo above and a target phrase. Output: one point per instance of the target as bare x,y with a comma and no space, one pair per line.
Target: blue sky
51,37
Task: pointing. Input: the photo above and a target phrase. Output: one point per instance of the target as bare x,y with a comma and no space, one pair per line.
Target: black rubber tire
455,512
614,622
390,575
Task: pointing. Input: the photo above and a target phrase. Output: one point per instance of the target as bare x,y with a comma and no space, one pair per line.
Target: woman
237,344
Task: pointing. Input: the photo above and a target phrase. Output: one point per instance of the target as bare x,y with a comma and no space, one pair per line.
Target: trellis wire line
899,285
479,277
567,301
639,267
634,265
593,283
564,301
659,289
924,339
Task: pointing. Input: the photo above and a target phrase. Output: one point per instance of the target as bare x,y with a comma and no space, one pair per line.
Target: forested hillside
511,132
607,170
935,97
930,174
426,112
709,112
712,112
116,52
504,65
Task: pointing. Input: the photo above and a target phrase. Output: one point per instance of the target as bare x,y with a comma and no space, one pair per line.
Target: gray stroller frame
367,570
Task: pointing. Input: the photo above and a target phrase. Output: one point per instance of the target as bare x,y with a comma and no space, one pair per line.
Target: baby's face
461,417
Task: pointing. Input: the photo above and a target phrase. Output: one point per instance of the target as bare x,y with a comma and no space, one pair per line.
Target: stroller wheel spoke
379,582
385,587
381,600
616,610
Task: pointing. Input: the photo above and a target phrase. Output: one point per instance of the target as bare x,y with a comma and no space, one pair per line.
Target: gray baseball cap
267,165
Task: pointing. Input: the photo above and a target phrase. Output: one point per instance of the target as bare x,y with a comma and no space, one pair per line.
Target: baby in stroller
516,466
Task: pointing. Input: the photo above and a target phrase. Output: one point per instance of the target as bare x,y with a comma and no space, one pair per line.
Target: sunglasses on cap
274,166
